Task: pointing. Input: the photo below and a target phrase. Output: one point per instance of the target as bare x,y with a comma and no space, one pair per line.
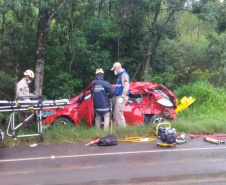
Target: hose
209,136
138,139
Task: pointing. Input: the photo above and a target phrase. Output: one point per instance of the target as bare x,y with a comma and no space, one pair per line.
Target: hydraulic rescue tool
215,141
166,134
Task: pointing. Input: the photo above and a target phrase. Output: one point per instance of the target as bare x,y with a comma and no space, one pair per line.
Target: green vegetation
180,44
168,42
207,115
210,100
72,134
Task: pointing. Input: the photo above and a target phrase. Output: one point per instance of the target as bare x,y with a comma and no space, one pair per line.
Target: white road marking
115,153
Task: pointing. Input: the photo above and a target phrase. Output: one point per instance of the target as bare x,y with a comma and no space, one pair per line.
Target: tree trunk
118,45
24,23
39,73
72,38
43,25
154,41
17,67
137,70
151,43
100,9
2,38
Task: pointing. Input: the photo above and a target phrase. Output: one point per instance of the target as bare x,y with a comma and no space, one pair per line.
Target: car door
86,106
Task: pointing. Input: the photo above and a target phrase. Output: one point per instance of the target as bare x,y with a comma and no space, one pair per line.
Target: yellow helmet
29,73
99,70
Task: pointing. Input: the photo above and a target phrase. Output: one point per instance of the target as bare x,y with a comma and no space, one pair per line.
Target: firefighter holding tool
102,92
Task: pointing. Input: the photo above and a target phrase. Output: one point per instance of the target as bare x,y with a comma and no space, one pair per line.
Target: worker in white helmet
23,94
102,92
22,90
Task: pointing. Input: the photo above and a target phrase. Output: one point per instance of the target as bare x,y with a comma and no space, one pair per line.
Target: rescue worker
23,94
22,90
102,92
121,94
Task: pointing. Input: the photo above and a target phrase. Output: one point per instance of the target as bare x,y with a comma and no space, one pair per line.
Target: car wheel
156,119
62,121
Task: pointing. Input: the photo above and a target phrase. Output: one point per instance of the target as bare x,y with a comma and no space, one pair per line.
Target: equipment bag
107,141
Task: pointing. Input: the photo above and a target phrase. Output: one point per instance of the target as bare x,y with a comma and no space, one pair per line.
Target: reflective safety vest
119,87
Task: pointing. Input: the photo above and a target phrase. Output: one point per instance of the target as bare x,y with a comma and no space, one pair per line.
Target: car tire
156,119
63,121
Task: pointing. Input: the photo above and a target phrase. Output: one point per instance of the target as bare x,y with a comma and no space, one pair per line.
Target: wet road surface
195,162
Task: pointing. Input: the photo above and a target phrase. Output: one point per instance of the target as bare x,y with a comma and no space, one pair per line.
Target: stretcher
35,107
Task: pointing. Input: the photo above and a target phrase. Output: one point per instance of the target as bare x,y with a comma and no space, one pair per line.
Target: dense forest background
171,42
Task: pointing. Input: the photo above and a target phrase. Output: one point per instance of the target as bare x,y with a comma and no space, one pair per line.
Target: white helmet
29,73
99,70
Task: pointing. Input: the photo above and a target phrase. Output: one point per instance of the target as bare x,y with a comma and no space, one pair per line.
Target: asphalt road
195,162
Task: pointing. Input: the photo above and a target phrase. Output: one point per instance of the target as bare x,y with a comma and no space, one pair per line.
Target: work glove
120,100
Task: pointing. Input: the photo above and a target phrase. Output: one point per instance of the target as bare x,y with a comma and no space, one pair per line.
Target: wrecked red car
148,103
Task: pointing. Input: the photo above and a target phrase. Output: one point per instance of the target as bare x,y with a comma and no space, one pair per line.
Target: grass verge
207,115
73,134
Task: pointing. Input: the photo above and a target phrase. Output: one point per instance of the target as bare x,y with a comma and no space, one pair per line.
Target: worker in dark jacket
102,92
